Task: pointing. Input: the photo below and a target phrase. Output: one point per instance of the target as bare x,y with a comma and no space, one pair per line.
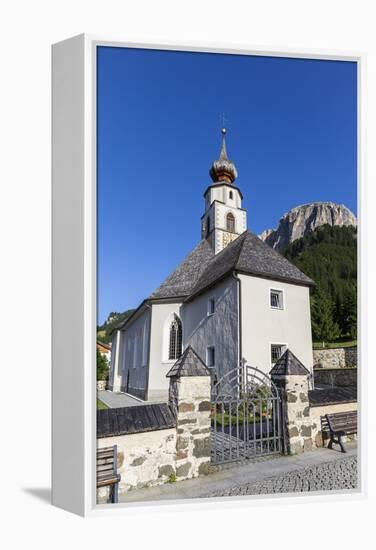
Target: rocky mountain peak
301,219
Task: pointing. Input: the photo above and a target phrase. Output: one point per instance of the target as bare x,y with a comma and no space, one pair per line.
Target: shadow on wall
336,378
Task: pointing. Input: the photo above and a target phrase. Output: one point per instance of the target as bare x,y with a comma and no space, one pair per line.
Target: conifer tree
350,314
324,327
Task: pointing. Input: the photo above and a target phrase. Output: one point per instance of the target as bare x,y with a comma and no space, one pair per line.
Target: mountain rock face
301,219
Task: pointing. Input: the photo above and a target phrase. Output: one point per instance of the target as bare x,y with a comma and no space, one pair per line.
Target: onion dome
223,169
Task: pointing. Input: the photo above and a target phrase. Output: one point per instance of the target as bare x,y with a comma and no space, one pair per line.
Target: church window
211,306
210,356
175,343
231,195
207,225
230,223
276,351
276,299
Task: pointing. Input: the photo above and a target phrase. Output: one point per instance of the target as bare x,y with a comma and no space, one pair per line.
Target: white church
232,297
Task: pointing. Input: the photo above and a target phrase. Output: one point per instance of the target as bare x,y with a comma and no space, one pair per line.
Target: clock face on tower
228,238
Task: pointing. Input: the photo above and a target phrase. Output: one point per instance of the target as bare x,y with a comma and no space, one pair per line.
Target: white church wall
222,194
219,330
220,237
263,326
134,344
159,364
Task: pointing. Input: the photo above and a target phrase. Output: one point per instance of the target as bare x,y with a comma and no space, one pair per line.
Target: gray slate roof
249,254
185,276
189,364
288,363
129,420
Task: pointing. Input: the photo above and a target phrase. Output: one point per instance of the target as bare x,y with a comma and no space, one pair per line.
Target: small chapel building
232,298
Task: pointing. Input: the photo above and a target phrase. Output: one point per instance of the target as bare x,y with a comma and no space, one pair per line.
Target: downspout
146,396
239,288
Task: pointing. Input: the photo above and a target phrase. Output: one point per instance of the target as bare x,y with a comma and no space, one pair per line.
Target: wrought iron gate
246,416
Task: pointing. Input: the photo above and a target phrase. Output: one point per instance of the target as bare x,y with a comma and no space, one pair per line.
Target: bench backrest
343,420
106,462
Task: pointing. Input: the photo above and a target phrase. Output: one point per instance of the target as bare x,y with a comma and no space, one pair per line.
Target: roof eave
220,183
134,315
289,280
209,286
148,302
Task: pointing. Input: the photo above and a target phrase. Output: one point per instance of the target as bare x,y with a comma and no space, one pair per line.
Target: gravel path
329,476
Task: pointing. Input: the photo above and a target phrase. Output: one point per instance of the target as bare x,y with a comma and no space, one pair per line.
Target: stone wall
297,422
144,459
335,358
190,397
304,422
319,432
338,377
101,385
167,455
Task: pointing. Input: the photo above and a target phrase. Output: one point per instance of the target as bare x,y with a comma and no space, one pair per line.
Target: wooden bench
340,424
107,471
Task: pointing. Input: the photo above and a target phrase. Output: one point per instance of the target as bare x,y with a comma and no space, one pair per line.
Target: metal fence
245,417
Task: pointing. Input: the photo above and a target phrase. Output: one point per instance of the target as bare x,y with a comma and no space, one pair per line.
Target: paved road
329,476
119,399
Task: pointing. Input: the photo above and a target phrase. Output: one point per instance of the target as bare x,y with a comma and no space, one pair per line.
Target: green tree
349,314
324,327
102,366
329,256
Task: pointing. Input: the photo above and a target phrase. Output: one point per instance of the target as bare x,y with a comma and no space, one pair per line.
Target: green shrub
172,478
102,366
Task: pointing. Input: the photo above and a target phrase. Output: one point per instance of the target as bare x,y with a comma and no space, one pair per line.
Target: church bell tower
224,218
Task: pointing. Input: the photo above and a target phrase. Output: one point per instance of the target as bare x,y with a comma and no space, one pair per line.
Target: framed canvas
210,356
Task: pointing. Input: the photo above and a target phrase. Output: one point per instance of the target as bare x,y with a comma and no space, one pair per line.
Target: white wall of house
219,330
159,365
263,326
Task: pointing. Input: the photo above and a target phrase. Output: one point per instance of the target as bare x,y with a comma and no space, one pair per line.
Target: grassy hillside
113,320
329,256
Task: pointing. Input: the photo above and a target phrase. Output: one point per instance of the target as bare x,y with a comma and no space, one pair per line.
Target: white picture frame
74,259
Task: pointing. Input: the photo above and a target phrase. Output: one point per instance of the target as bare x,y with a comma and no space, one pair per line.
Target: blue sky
291,133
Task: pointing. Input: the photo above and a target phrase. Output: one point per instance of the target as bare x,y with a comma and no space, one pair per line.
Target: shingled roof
130,420
288,363
202,268
189,364
249,254
185,276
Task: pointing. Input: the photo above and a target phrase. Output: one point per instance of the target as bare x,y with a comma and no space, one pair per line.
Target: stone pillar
292,380
189,398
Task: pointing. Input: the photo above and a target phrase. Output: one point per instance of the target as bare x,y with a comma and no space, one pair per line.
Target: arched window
174,350
230,222
230,195
207,225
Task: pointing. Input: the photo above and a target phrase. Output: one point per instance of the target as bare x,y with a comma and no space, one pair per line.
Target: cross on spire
223,120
